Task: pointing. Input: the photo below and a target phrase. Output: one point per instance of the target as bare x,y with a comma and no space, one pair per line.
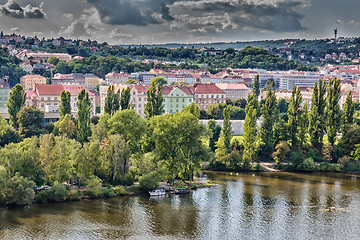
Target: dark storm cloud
13,9
277,17
133,12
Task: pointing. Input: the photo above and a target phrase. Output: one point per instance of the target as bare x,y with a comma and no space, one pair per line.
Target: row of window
209,96
212,101
5,98
177,100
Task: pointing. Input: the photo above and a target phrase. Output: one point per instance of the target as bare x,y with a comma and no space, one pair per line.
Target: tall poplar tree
125,99
250,131
215,131
226,130
112,101
304,123
15,102
269,114
347,117
294,114
154,105
257,86
333,110
317,116
84,107
65,106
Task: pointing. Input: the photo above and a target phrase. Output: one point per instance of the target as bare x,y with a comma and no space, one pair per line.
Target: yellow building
91,81
28,81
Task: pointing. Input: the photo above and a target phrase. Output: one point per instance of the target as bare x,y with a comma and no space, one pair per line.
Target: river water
243,206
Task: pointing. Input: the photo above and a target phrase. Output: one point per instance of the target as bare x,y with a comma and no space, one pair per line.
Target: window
171,100
55,98
139,99
177,105
49,98
171,105
42,105
42,98
139,105
177,100
183,100
189,100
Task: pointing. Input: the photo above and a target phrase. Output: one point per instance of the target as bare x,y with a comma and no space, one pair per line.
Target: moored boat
181,191
157,192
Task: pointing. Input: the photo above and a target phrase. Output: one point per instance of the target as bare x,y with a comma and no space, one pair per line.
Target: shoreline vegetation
120,148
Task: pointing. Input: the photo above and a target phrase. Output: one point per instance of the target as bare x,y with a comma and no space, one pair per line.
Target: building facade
28,81
234,91
4,94
176,98
207,94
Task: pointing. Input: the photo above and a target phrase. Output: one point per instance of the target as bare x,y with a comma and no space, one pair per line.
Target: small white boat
157,192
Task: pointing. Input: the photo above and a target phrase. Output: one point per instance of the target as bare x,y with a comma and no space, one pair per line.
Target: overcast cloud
160,21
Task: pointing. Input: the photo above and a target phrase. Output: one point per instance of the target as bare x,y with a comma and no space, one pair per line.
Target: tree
83,104
294,122
160,81
256,89
65,107
87,161
250,131
115,156
112,101
303,126
317,116
7,133
66,127
31,122
267,128
226,130
125,99
214,131
347,117
154,105
193,109
333,110
15,103
131,81
18,191
130,126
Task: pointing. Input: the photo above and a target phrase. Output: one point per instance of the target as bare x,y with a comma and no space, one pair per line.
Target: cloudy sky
161,21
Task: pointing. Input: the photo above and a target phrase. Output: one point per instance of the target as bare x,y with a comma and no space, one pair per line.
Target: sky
180,21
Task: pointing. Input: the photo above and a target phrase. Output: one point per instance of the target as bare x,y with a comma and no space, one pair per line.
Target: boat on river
179,191
157,192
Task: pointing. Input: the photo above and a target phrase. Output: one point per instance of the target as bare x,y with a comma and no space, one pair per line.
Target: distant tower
335,32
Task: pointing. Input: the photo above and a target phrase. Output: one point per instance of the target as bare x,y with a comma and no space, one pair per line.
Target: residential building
4,94
69,79
49,97
44,56
91,81
234,90
207,94
28,81
116,78
176,98
145,77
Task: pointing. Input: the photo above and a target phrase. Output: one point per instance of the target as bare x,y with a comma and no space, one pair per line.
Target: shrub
307,165
74,195
93,184
108,192
296,158
120,190
149,181
57,193
17,191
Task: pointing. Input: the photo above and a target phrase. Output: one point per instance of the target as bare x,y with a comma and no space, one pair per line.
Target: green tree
250,131
87,161
112,101
347,117
226,130
115,157
7,133
214,131
15,102
125,99
193,109
65,107
31,122
130,126
333,110
317,116
294,113
84,131
18,191
66,127
154,105
267,128
160,81
256,89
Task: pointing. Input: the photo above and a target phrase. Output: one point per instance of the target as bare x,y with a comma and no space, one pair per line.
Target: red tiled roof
165,90
235,86
141,88
30,93
56,89
206,88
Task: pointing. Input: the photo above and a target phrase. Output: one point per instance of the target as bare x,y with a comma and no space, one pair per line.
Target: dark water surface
244,206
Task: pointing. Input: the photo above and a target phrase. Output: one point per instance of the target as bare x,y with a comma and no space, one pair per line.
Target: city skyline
182,21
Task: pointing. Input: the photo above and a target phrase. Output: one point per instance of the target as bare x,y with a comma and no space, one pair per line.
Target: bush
93,184
17,191
149,181
296,158
120,190
108,192
307,165
57,193
74,195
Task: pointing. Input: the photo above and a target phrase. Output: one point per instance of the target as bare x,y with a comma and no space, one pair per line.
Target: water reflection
244,206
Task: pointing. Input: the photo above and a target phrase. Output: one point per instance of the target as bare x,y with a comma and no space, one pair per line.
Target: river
244,206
